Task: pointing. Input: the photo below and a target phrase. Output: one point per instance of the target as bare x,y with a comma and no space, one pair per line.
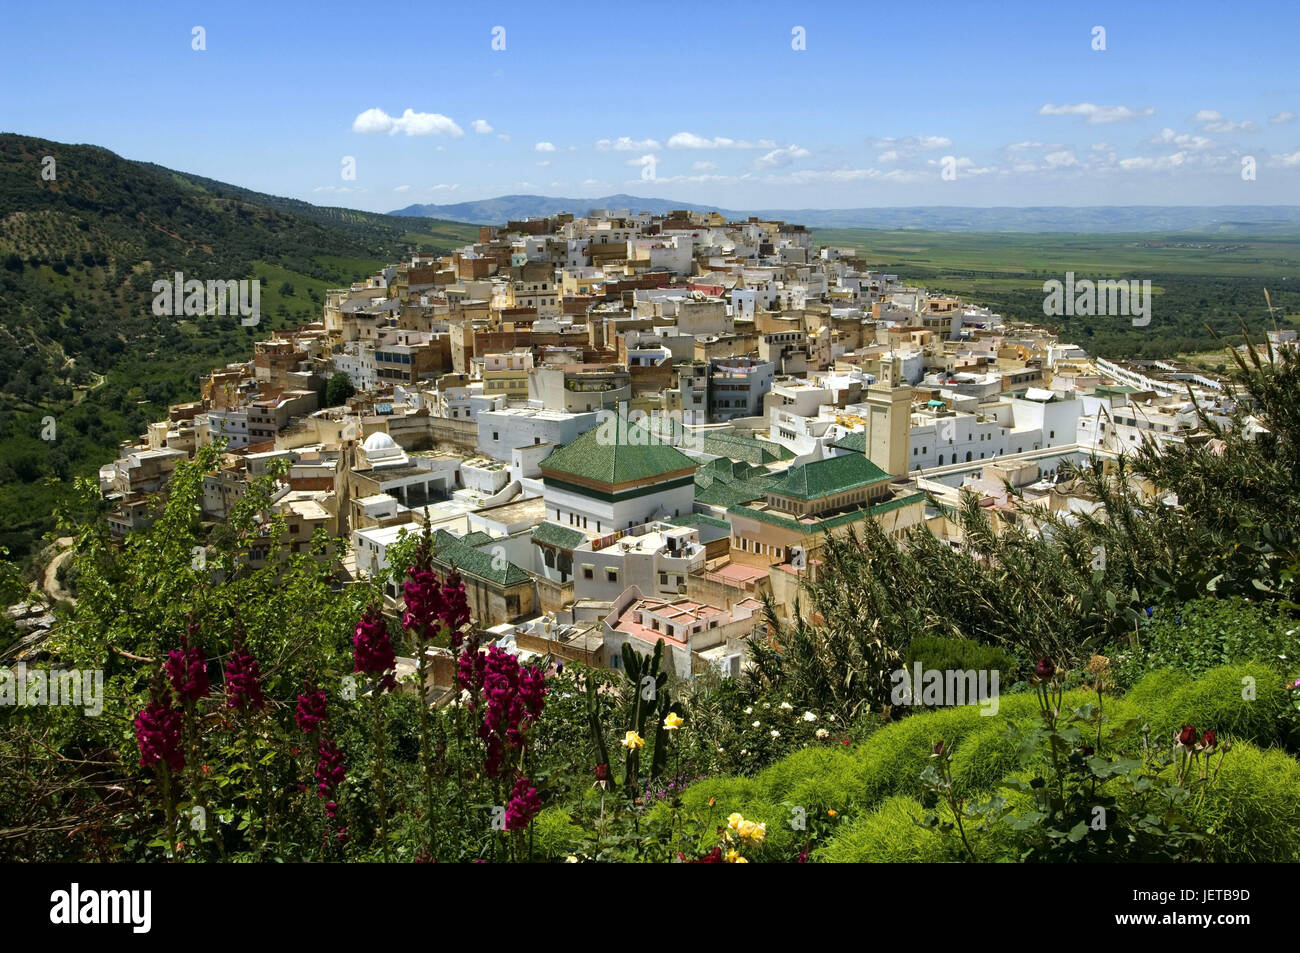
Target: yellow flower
733,857
752,832
571,859
735,820
633,741
672,721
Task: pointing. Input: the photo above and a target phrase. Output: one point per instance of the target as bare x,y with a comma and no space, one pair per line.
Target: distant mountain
1255,219
506,208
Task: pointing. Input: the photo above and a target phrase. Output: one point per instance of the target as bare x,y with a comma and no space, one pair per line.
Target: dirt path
53,590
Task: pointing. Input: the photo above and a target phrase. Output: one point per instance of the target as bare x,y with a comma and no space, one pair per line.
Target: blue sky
713,97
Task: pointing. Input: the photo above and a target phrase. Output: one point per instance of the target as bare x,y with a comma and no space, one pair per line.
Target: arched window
968,456
941,459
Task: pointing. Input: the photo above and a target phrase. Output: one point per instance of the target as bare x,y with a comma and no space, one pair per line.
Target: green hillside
79,344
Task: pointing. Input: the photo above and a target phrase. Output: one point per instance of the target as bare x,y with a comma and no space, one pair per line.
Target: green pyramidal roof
820,478
853,441
617,451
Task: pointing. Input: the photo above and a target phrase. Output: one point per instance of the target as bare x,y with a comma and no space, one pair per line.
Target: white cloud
703,166
781,157
1023,146
1168,137
1284,116
1156,164
503,136
402,188
963,164
1061,159
376,121
1095,114
444,188
1227,126
689,140
481,126
544,163
1286,161
627,144
642,161
1215,122
338,189
898,149
544,147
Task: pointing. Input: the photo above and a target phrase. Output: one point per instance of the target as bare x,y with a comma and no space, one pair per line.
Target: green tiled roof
699,519
634,455
820,478
724,482
821,526
556,535
472,562
727,494
476,538
749,449
856,441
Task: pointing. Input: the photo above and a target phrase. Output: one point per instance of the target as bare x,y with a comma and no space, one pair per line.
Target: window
588,572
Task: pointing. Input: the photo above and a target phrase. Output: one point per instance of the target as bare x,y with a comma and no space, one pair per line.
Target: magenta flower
158,733
330,770
524,805
455,611
372,649
187,670
243,680
424,604
311,710
469,672
513,698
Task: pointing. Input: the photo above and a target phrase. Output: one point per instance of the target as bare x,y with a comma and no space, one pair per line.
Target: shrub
1167,700
554,834
1196,636
1252,813
944,654
889,834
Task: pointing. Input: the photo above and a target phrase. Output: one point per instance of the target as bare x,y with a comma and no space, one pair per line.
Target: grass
1106,256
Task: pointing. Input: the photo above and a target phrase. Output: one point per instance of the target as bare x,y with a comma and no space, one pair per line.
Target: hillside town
622,427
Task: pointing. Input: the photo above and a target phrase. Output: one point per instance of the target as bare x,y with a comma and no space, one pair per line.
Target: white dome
379,441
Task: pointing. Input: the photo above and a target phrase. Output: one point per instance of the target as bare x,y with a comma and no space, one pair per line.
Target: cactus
593,722
649,693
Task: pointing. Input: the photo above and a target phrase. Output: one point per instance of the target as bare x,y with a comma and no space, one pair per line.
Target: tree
339,390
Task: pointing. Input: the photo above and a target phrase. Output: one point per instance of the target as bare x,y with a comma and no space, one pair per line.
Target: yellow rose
673,721
733,857
735,820
633,741
752,831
